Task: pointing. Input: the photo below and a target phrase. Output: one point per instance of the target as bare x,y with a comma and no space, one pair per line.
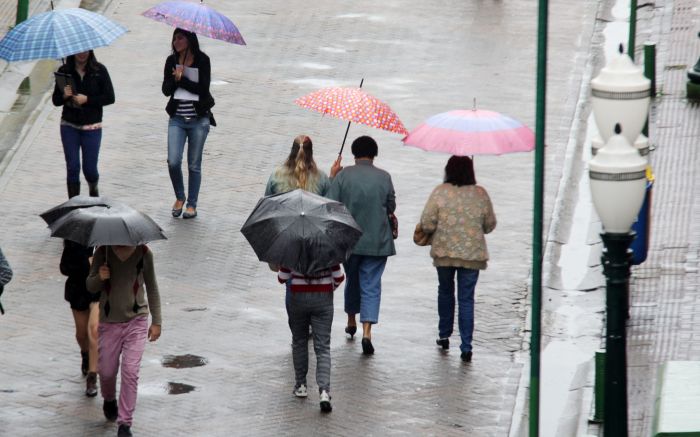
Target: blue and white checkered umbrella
57,34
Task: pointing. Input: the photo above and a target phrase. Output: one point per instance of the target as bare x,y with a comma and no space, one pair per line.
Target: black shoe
111,410
176,212
466,357
124,431
444,342
351,330
91,385
94,191
189,215
85,363
367,347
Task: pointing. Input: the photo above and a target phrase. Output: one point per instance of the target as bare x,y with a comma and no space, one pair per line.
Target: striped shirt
324,281
185,108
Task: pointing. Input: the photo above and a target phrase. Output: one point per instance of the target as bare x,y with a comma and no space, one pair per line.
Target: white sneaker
300,391
326,402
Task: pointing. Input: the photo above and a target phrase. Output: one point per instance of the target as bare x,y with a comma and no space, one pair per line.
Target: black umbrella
301,231
76,202
107,226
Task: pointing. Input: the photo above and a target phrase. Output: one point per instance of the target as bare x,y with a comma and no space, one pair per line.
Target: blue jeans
363,286
195,132
466,283
77,140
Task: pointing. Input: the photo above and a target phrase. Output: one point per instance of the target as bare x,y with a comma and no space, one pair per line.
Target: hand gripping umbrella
196,17
57,34
301,231
107,226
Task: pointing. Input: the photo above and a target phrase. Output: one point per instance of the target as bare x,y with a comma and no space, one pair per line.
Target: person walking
368,193
457,215
299,170
75,264
311,305
5,276
186,80
81,118
126,280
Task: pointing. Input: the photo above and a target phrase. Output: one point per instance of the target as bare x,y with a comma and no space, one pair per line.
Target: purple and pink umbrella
472,132
196,17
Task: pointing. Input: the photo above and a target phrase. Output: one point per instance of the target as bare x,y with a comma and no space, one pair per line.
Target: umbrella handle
347,129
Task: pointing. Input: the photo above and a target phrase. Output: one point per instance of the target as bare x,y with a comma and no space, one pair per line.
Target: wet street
223,365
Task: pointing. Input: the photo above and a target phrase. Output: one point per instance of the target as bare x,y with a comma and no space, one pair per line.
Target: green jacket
368,193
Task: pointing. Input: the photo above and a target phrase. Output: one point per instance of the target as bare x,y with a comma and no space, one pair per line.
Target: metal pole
537,221
347,129
22,10
650,65
633,28
616,265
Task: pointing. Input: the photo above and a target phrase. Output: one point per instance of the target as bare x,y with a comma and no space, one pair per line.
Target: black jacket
96,85
201,88
75,263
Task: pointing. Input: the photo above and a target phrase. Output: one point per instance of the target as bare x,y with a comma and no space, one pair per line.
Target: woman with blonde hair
298,171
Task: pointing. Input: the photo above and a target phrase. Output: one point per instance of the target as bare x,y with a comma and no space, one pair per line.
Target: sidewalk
220,303
665,316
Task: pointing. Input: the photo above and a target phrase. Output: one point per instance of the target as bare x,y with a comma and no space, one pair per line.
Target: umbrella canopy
57,34
196,17
107,226
353,104
472,132
75,202
301,231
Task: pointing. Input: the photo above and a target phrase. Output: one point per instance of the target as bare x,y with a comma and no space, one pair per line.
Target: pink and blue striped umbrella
196,17
472,132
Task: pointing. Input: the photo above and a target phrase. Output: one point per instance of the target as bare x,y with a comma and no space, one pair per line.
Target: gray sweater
119,289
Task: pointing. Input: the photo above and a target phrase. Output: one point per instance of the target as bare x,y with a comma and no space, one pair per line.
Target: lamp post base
616,265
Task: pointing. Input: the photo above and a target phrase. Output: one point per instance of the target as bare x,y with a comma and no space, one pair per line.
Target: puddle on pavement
183,361
193,309
178,388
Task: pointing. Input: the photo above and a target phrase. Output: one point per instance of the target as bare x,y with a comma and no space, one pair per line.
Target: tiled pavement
664,322
219,301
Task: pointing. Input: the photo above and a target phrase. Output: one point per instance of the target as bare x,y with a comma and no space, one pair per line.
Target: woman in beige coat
457,215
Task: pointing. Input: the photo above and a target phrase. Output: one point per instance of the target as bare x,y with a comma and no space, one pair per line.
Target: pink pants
127,340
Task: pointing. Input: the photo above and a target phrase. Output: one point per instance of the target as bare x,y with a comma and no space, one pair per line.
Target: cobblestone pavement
663,323
219,301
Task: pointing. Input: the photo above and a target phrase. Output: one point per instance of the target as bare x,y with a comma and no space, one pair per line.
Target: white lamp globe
620,94
618,183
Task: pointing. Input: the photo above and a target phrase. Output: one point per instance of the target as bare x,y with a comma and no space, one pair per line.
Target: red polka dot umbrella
353,105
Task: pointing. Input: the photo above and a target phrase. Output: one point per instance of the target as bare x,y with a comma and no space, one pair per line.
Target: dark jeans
77,140
466,283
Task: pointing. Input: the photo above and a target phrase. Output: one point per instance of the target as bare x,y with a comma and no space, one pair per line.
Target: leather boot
73,189
93,189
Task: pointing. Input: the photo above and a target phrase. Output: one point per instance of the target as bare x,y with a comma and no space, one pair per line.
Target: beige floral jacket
458,218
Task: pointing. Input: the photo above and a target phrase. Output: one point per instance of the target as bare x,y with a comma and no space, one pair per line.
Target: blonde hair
299,170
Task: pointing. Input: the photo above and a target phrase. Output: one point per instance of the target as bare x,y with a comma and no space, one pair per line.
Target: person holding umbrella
368,193
457,214
299,170
81,119
125,278
186,79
